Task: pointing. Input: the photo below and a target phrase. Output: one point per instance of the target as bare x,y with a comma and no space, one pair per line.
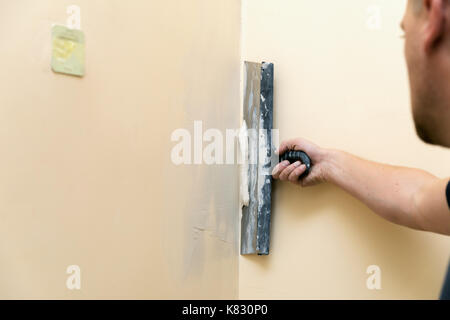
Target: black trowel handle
294,156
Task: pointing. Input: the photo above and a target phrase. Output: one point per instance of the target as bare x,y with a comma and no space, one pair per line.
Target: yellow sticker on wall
68,51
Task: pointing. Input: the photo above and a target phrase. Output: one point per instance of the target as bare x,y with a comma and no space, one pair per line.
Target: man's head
427,50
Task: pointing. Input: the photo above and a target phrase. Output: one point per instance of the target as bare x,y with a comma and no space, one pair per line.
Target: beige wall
85,171
341,85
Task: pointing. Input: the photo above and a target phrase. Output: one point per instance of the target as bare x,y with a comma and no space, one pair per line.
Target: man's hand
406,196
291,172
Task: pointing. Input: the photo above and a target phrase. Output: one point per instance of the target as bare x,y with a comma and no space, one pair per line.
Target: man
410,197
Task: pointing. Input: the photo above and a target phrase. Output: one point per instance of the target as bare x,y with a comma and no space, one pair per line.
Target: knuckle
285,174
295,175
276,170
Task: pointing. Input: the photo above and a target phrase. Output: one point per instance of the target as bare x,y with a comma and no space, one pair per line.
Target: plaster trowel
257,151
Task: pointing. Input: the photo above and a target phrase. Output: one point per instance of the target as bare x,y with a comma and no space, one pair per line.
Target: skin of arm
410,197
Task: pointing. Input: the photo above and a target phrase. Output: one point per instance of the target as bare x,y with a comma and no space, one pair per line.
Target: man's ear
435,26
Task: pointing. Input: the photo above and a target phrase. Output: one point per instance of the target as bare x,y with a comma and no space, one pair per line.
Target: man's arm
410,197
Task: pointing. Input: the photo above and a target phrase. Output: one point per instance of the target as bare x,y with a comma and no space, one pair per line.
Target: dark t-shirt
445,293
447,192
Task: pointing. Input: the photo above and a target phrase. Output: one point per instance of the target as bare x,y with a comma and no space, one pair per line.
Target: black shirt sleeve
447,192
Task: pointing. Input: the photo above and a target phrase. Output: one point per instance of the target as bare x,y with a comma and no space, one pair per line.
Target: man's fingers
279,168
289,172
296,173
284,175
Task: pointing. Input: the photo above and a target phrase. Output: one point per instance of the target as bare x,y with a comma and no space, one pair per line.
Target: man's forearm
390,191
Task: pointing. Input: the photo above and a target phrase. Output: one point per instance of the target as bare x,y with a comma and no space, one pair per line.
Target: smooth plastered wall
86,176
341,82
